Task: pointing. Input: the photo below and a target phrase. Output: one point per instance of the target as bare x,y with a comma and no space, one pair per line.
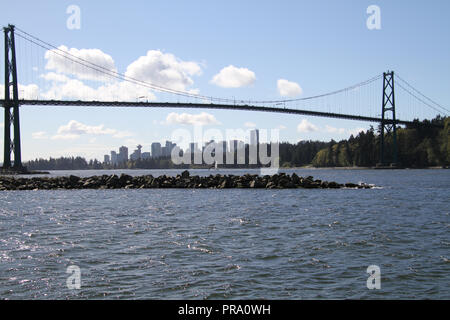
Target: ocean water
232,243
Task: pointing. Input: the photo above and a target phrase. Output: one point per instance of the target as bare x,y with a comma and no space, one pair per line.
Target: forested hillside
418,146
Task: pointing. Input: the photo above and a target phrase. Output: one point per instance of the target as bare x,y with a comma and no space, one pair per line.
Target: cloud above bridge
165,70
200,119
62,60
233,77
30,91
70,80
77,90
288,88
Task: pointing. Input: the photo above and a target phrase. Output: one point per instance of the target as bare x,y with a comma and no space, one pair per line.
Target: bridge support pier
11,103
388,124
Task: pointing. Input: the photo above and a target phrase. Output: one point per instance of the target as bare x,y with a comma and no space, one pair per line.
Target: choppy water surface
231,244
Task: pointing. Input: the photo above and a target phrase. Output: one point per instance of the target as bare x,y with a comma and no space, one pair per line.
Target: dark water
231,244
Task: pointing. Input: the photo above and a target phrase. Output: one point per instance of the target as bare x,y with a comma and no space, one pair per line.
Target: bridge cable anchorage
117,75
421,94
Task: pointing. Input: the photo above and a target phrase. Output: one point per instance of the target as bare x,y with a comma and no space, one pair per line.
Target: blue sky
319,46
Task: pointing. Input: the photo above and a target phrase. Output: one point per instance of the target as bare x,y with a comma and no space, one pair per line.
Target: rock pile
185,180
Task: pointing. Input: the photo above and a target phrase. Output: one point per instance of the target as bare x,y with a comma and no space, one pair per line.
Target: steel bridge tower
11,103
388,124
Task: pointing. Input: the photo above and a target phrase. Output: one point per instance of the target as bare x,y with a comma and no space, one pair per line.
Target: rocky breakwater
184,180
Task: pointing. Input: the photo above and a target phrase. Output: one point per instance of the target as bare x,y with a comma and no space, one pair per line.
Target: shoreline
180,181
47,171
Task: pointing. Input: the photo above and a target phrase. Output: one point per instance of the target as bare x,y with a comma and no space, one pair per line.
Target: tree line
421,144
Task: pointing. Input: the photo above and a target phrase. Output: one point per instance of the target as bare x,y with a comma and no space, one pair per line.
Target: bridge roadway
79,103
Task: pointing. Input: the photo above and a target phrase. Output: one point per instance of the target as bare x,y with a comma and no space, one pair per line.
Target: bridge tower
388,123
11,103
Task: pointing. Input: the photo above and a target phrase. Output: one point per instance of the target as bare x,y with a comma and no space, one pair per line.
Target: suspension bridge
359,102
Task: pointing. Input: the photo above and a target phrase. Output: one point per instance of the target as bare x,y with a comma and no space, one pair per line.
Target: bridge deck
118,104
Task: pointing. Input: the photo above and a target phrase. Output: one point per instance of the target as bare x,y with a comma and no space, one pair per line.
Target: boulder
185,174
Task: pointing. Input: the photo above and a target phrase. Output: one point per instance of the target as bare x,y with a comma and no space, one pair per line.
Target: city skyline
159,151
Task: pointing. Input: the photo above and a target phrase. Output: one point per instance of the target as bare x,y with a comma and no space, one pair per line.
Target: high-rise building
167,149
254,137
156,150
207,144
136,155
235,145
123,154
106,159
114,159
145,155
223,146
193,147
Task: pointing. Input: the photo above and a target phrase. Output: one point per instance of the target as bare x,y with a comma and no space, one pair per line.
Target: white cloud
156,67
39,135
67,79
65,136
193,119
306,126
58,61
331,129
232,77
164,69
65,88
30,91
288,89
250,124
356,131
2,125
56,77
75,129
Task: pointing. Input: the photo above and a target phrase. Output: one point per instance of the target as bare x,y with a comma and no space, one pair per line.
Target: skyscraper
145,155
156,150
136,155
123,154
114,159
254,137
167,149
254,147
